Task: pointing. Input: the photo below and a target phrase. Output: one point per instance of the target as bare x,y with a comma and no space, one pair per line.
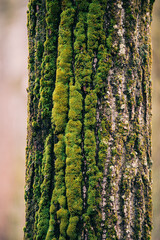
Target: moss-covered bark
88,155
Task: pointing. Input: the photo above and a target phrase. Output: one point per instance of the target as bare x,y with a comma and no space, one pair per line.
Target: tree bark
88,155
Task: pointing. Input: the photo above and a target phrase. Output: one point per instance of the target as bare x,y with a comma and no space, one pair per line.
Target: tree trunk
88,155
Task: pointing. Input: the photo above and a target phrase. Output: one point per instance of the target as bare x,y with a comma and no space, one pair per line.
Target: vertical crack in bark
112,100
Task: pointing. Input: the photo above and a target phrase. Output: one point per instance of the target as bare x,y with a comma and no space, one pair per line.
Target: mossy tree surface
88,155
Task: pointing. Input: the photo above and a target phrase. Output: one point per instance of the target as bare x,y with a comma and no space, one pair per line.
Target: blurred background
156,119
13,113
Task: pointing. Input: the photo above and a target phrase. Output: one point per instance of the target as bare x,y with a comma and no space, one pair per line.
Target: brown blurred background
13,83
156,119
13,111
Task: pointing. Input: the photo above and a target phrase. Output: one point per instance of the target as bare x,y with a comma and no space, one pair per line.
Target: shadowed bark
88,156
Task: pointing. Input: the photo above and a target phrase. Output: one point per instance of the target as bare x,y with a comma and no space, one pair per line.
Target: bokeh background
13,114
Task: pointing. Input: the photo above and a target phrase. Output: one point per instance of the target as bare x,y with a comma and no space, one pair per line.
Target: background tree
88,156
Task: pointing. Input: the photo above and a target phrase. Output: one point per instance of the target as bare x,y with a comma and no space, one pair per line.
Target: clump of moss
73,177
62,215
93,173
71,231
59,119
46,189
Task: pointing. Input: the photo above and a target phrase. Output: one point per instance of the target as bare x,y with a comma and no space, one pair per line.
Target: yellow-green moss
73,177
71,231
62,215
46,189
59,119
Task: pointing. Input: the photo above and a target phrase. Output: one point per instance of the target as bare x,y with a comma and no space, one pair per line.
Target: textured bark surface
88,155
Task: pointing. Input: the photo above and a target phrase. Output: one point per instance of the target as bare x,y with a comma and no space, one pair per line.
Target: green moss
93,173
59,121
109,42
40,34
46,188
33,155
63,75
71,231
35,125
43,92
104,65
62,214
73,176
95,27
139,207
60,109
